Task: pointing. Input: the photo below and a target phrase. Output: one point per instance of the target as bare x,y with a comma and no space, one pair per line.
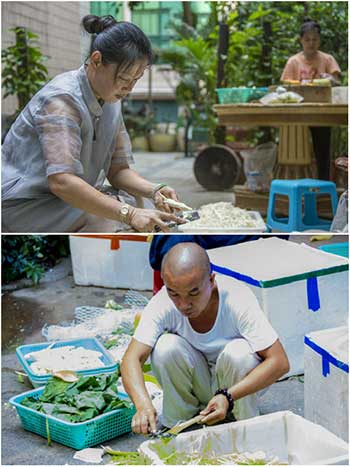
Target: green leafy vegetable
125,457
79,401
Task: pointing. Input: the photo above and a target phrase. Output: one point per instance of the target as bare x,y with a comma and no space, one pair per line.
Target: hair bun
95,24
308,20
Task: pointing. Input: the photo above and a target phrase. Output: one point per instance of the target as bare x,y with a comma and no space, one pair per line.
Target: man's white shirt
239,316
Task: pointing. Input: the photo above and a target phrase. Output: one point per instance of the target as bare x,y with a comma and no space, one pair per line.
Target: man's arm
145,418
274,365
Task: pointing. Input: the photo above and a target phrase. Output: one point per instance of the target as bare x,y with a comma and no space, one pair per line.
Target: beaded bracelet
228,396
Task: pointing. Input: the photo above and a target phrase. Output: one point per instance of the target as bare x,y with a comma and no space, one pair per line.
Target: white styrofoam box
326,381
95,263
290,437
300,289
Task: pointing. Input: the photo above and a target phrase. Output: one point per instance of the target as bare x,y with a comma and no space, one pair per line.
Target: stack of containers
75,435
299,288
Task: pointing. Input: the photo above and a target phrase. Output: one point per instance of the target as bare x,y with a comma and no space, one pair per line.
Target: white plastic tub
326,386
300,289
290,437
120,263
256,216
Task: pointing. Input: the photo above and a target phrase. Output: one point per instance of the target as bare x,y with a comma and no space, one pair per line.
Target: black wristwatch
228,396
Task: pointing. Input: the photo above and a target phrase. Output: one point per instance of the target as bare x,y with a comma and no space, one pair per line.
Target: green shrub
23,72
28,256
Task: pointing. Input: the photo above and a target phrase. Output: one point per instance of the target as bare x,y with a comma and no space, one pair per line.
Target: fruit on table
291,81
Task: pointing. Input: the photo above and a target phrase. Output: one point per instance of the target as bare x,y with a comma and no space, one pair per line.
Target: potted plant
163,137
139,123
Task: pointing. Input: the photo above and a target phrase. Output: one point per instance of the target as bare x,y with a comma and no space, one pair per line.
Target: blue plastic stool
299,219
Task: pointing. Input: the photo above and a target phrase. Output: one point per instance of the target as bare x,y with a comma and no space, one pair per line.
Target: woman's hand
168,192
145,220
334,79
144,421
216,410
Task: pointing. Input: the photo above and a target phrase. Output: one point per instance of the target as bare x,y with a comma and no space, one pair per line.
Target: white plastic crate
290,437
96,263
326,386
300,289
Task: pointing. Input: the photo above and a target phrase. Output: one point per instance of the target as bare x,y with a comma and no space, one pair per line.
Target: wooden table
293,120
277,115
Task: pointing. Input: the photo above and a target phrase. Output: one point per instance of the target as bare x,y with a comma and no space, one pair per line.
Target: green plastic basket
240,95
75,435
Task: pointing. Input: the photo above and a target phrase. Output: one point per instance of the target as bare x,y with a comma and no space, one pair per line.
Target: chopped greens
182,458
174,457
80,401
170,456
125,457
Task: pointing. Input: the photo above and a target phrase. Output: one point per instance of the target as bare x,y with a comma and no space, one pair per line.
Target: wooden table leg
294,153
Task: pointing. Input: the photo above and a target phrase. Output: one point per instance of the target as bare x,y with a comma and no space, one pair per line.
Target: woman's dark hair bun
307,19
309,25
95,24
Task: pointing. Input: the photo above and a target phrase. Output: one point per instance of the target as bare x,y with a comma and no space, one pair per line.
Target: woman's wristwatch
124,213
228,396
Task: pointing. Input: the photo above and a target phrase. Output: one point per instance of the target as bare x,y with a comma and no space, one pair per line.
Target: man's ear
96,59
212,278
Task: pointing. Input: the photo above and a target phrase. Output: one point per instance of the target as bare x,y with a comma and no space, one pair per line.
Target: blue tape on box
313,297
235,275
327,358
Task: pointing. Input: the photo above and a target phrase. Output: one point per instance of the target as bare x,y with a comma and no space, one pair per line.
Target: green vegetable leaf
92,399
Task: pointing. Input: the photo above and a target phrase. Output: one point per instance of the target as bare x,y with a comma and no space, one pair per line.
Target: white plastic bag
281,96
258,166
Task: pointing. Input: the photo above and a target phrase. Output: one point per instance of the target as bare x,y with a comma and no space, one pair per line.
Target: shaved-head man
211,346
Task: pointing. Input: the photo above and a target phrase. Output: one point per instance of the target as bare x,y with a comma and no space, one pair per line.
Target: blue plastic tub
240,95
340,249
88,343
75,435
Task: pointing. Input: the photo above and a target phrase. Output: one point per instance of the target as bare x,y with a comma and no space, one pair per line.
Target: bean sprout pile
223,215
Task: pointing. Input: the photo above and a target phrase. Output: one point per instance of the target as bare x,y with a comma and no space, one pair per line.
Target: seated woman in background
310,64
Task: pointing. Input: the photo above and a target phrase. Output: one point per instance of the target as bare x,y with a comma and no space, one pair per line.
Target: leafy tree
262,36
195,61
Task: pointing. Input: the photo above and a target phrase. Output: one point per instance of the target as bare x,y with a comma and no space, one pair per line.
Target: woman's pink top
299,68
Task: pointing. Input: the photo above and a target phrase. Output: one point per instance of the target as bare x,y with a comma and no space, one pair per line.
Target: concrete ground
26,310
177,171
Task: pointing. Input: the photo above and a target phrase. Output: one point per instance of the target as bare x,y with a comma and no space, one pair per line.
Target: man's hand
144,421
216,410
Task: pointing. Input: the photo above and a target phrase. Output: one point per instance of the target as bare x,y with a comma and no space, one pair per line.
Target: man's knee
168,348
237,357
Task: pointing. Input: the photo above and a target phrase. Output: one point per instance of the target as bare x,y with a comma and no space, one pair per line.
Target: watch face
124,210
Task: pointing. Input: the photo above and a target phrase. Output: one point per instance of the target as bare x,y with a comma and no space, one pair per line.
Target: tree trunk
22,67
187,13
220,132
